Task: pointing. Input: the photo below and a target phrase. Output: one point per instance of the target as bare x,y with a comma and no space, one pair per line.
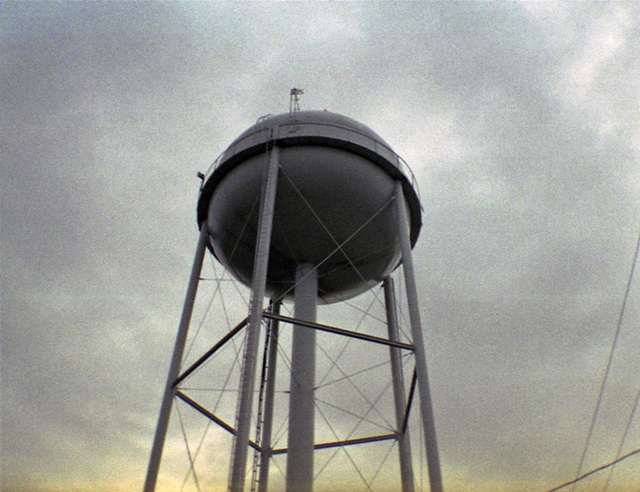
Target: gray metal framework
264,448
299,474
273,320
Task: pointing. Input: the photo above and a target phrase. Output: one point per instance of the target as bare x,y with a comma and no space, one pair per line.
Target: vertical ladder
257,455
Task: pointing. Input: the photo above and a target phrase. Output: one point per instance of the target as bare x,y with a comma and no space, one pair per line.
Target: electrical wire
595,470
624,438
611,352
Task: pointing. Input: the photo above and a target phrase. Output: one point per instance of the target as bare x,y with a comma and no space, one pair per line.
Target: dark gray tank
334,203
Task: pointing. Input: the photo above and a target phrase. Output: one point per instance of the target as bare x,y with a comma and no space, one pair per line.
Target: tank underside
333,210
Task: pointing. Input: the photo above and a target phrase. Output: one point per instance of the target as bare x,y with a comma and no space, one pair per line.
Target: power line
611,352
624,438
595,470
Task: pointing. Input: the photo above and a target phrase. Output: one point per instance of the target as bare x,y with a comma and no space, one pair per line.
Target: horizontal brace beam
338,331
347,442
211,351
196,406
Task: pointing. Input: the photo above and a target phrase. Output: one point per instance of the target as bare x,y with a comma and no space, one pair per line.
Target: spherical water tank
334,203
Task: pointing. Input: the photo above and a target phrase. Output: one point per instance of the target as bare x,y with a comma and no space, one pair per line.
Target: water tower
309,208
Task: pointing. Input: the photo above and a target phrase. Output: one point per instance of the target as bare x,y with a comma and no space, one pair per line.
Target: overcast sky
521,122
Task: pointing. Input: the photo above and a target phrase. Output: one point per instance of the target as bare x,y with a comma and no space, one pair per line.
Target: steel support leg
404,443
426,407
258,286
301,403
174,368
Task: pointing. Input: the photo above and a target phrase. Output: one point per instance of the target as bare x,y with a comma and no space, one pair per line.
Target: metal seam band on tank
401,165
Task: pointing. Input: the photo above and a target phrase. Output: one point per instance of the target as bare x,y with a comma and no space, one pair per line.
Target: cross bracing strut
325,445
210,415
346,442
412,391
340,331
327,328
211,351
